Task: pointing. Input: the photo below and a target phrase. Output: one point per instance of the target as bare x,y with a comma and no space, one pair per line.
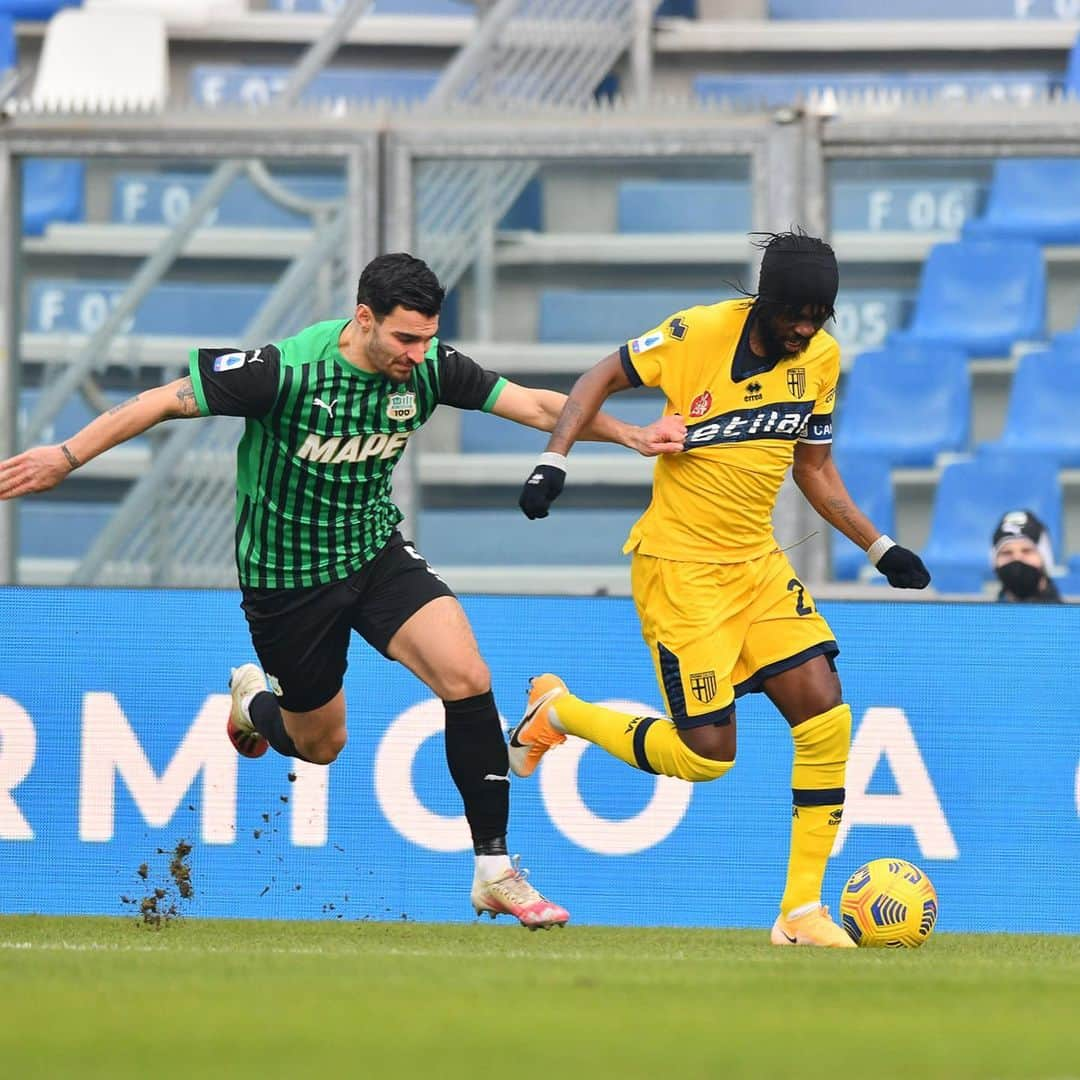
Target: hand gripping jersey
321,440
713,503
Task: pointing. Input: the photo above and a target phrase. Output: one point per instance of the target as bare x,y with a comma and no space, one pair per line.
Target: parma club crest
401,406
796,381
701,404
703,686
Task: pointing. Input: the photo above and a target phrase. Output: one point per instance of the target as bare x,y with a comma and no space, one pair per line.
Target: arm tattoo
123,405
840,512
72,460
569,421
185,394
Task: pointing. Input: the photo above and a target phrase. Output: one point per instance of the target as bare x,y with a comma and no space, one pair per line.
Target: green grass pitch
86,997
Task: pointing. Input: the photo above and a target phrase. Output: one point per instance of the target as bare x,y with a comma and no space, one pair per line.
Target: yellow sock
649,743
817,795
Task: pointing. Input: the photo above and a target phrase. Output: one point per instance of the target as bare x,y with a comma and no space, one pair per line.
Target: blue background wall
965,714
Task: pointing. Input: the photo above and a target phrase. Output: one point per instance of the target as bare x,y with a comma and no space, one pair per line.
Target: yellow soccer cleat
535,735
813,928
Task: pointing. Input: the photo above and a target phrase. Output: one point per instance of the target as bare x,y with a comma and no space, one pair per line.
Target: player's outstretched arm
540,409
43,467
579,417
817,477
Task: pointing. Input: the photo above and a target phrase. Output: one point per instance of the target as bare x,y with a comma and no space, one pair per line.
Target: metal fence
393,162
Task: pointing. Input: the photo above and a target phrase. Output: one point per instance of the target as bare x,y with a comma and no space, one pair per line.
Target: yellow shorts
718,631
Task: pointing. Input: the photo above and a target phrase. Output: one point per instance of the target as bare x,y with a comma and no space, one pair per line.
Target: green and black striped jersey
321,440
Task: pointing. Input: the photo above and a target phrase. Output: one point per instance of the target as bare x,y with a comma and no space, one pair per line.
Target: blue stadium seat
74,414
8,50
527,212
1031,199
970,499
868,477
37,10
981,296
1044,401
912,9
632,407
1072,72
58,305
52,191
611,316
220,84
507,538
380,7
787,88
1067,339
903,204
866,317
51,529
906,405
147,198
483,433
683,9
1069,582
660,206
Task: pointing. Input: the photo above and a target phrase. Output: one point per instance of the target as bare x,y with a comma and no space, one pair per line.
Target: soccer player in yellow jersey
721,608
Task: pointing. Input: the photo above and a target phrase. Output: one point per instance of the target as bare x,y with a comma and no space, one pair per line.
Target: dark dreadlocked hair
797,270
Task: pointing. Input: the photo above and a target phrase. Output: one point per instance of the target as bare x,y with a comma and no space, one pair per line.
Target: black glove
903,568
544,486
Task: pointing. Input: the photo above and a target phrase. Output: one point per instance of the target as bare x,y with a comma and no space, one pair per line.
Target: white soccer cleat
512,894
244,681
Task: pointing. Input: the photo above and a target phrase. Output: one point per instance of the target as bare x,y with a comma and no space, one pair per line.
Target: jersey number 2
801,607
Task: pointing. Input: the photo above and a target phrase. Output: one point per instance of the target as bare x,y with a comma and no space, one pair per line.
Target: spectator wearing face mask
1021,557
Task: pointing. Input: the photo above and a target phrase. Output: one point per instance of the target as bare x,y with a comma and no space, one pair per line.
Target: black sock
266,720
475,749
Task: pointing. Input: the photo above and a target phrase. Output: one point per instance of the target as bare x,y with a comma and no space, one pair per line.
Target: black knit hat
1023,523
798,270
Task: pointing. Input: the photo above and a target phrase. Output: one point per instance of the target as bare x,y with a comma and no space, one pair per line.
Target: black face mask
1020,579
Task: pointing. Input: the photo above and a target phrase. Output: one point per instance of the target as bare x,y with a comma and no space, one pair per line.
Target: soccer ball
889,903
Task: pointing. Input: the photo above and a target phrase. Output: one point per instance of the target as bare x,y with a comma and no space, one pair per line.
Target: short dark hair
399,279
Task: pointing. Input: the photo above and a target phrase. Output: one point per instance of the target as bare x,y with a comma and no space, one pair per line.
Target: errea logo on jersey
338,450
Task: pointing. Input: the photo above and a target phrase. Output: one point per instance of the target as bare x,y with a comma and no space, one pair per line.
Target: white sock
553,717
490,867
245,706
804,909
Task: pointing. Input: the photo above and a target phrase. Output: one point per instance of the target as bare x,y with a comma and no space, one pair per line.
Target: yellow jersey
713,503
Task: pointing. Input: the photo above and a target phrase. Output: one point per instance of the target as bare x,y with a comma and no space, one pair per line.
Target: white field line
292,950
771,956
348,951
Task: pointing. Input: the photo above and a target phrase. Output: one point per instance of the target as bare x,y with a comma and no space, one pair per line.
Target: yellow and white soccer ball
889,903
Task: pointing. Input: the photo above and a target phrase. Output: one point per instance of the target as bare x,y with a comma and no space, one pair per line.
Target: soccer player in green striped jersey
328,414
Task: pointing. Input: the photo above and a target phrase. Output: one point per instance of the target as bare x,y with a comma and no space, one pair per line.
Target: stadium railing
603,32
435,467
888,235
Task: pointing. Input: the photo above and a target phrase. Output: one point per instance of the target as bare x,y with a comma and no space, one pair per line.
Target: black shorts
301,636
